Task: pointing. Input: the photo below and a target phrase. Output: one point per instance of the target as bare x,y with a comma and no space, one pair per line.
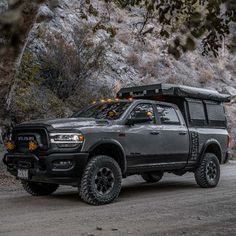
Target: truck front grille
22,136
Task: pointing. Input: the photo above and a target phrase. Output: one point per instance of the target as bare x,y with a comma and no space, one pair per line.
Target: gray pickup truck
146,130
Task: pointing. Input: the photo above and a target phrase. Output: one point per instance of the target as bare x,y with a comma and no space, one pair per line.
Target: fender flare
206,145
114,142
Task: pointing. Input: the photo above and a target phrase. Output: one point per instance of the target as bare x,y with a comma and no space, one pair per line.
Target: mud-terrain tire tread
200,173
39,189
150,178
87,192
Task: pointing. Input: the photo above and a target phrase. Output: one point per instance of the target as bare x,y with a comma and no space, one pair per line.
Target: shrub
112,31
132,59
120,3
205,77
171,80
124,38
86,95
93,11
65,67
57,85
150,68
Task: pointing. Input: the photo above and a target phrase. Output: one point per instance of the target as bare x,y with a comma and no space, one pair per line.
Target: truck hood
68,123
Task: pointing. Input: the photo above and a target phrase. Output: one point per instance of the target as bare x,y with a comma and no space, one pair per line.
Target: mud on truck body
146,130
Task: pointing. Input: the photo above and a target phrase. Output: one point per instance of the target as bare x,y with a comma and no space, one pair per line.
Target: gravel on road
175,206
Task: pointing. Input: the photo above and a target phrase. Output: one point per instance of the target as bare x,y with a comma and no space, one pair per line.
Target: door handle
154,132
182,132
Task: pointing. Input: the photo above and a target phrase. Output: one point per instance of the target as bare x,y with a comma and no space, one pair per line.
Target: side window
196,112
215,114
143,108
167,115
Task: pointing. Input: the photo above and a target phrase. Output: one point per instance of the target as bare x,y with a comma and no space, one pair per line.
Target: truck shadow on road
138,189
69,196
135,190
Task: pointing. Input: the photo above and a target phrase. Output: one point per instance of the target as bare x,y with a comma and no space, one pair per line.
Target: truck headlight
67,139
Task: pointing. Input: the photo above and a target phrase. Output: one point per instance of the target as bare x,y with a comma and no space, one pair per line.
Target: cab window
110,111
167,115
141,109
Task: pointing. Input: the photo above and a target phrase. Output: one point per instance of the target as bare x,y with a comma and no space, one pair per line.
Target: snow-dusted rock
230,90
3,6
44,13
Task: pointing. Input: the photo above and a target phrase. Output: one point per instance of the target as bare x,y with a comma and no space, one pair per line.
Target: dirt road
175,206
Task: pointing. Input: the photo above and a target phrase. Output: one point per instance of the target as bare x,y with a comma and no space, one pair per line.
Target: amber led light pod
149,114
32,146
10,145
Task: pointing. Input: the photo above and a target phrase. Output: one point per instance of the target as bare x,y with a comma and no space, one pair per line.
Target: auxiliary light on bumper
10,145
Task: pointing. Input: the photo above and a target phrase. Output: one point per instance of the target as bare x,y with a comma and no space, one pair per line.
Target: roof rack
171,90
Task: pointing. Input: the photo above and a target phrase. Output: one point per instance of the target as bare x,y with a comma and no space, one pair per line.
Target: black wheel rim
211,171
104,180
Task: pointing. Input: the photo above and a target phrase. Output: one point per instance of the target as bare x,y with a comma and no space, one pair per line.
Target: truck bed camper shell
156,91
200,107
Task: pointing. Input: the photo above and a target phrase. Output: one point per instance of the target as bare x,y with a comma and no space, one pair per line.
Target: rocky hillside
80,50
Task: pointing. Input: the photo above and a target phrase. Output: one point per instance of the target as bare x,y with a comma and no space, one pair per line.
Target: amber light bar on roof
109,100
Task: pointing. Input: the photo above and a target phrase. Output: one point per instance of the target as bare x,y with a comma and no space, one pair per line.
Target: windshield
110,111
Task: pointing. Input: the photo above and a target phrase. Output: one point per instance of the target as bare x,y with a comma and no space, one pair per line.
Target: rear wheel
101,181
207,174
39,189
152,177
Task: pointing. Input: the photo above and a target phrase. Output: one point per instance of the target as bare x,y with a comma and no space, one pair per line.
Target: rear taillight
228,143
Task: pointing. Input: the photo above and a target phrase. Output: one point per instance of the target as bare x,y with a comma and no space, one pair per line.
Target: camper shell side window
205,113
215,114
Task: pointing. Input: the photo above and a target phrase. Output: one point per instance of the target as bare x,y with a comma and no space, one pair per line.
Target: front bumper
42,168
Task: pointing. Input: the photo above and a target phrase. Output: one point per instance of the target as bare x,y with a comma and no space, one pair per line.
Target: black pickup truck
146,130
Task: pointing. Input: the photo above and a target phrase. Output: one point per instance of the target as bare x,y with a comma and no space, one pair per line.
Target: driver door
141,138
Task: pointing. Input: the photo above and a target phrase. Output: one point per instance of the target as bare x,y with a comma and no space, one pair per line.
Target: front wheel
39,189
207,175
101,181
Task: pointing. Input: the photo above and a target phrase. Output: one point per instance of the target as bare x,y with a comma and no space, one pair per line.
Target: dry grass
124,38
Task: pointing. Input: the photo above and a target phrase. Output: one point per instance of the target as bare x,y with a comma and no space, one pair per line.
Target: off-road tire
90,185
207,175
39,189
152,177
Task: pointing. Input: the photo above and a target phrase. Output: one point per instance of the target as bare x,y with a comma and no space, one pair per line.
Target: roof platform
171,90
